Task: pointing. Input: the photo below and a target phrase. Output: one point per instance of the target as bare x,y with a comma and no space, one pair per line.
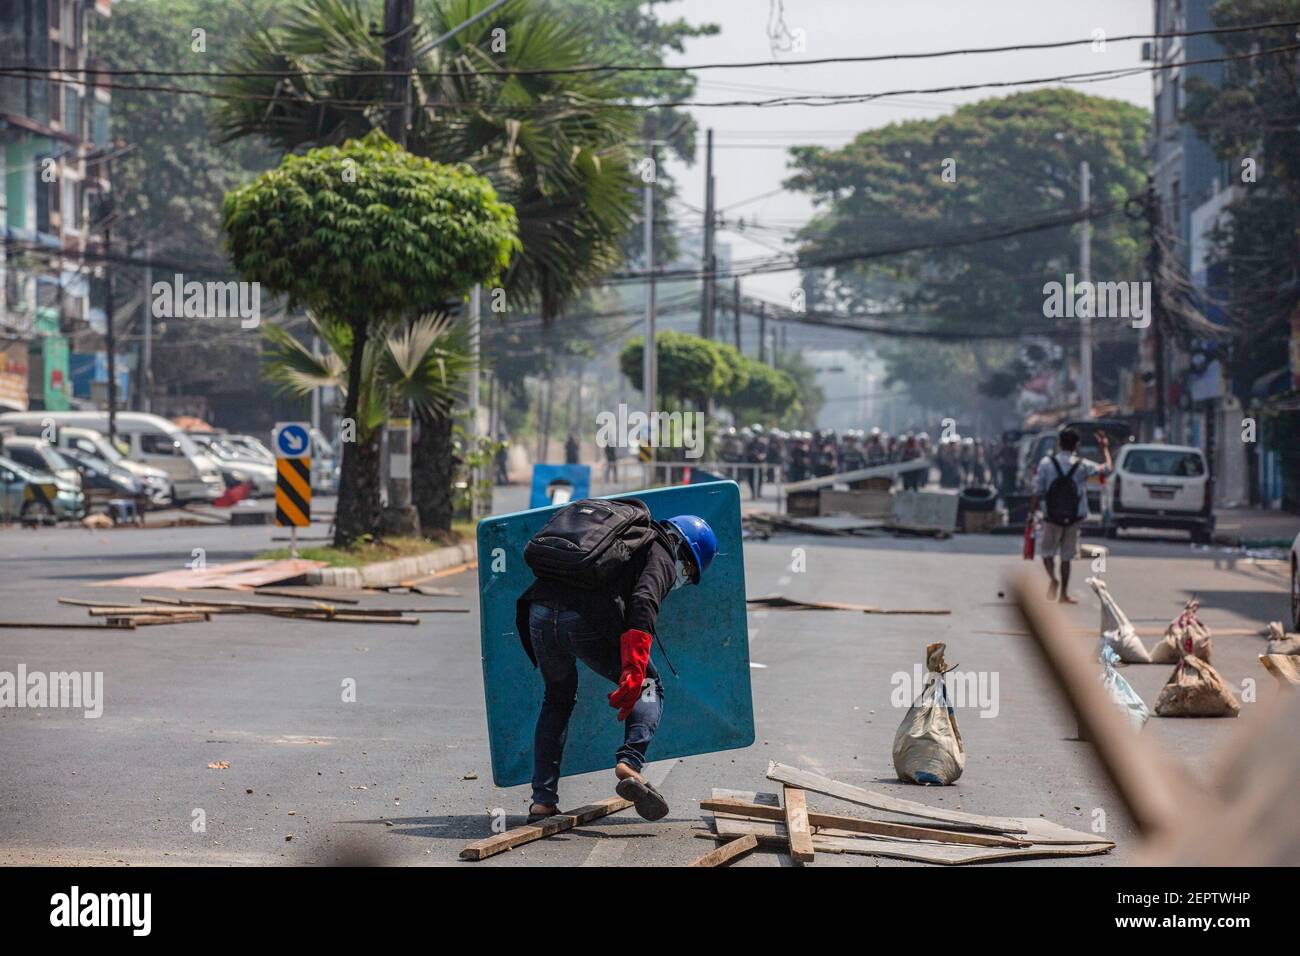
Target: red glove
635,647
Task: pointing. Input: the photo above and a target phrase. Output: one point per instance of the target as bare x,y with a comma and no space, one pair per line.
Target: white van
1159,486
150,440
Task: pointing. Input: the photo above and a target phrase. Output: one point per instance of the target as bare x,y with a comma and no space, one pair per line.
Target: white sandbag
928,747
1195,689
1120,691
1280,642
1184,635
1121,635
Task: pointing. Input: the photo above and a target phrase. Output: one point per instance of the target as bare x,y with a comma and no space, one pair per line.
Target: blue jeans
560,639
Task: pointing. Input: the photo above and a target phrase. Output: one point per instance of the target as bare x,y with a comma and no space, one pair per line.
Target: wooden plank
1154,792
774,835
148,620
127,625
151,611
901,831
518,836
797,826
729,852
305,593
869,798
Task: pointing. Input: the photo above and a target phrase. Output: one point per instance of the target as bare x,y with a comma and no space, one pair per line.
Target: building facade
54,144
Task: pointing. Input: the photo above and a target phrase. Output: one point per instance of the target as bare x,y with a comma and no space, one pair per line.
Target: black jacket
631,603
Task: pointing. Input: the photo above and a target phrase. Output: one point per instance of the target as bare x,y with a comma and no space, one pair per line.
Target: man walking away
1062,484
603,569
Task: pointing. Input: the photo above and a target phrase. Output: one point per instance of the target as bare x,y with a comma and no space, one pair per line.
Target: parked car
146,438
33,496
100,475
88,442
38,455
1160,486
237,466
250,447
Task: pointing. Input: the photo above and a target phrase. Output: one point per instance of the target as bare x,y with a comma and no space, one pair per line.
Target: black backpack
587,543
1063,496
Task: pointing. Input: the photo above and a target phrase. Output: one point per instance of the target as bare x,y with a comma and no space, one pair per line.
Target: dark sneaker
539,817
649,802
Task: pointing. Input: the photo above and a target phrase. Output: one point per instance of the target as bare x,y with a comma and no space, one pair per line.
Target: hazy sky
747,158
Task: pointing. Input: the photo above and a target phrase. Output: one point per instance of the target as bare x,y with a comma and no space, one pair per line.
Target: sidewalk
1255,527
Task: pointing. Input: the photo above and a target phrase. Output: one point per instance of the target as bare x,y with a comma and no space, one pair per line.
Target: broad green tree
367,234
1251,118
994,164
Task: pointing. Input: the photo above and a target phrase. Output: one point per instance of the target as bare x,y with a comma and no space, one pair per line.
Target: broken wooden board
729,852
310,592
879,801
949,854
119,625
239,575
290,610
782,603
518,836
797,826
1285,667
148,620
875,828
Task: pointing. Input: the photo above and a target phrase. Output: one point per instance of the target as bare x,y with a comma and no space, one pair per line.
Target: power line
569,103
793,261
675,68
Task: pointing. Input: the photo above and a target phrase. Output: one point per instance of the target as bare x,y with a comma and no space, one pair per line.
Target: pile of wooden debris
746,820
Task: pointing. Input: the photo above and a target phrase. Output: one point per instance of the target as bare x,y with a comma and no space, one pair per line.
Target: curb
387,574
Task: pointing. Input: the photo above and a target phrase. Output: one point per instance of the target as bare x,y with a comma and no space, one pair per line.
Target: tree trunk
433,470
357,509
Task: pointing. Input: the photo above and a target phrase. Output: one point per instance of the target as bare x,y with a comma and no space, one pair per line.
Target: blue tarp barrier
707,705
577,475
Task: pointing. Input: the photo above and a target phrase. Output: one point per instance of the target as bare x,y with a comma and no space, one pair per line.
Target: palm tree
424,365
552,144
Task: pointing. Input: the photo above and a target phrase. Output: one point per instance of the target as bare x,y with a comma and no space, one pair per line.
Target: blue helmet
699,537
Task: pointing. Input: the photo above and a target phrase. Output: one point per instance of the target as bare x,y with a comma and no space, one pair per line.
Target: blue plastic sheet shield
707,704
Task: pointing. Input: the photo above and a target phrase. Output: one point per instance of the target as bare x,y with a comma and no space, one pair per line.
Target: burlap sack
928,747
1186,627
1280,642
1195,689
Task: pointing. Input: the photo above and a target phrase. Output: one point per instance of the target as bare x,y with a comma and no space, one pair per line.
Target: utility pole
110,340
1085,275
315,392
649,359
475,304
398,18
735,294
401,516
762,333
709,258
1156,305
146,349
